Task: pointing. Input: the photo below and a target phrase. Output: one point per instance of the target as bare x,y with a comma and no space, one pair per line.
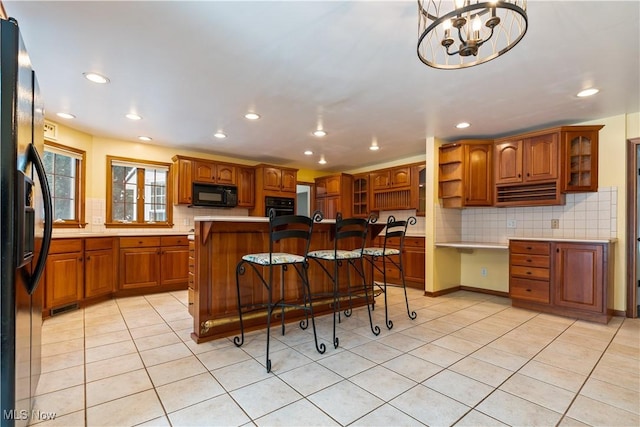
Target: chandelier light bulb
461,34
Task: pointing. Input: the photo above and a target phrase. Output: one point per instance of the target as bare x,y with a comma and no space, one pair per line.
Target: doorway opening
633,227
303,199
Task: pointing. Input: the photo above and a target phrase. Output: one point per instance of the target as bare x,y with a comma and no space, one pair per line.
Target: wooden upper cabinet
360,195
272,178
400,177
527,160
289,180
540,158
277,179
225,174
182,181
246,186
579,159
465,173
328,186
508,162
215,173
204,171
391,178
478,188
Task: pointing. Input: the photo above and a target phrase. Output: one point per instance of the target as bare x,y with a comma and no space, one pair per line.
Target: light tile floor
468,360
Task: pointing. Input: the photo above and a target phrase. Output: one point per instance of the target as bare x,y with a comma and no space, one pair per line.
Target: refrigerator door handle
48,219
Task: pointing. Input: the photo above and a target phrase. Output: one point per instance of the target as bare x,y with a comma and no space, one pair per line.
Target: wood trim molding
441,292
632,227
485,291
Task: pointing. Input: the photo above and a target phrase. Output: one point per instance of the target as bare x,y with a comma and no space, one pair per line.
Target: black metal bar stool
395,232
348,231
287,231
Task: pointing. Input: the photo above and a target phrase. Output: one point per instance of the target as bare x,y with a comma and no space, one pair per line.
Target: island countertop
222,218
220,242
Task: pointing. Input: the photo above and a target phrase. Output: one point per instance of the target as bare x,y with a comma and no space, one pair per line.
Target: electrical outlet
555,223
511,223
186,221
97,220
483,272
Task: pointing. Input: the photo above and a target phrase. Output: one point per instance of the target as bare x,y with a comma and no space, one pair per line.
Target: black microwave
214,196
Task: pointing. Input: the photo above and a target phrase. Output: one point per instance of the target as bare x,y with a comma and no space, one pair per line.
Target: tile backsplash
584,215
95,212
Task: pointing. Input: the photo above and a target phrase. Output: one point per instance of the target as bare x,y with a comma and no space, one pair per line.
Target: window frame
110,223
80,185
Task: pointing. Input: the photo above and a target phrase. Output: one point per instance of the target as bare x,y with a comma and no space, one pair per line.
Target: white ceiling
193,68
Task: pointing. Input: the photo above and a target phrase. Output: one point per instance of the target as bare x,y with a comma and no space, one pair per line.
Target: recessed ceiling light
145,138
374,146
66,115
96,78
308,153
322,161
319,133
463,125
587,92
220,135
133,116
252,116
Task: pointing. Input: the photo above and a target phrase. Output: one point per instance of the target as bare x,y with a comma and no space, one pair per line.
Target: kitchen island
219,242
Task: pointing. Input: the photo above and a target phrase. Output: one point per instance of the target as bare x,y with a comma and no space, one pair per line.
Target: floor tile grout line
403,352
590,373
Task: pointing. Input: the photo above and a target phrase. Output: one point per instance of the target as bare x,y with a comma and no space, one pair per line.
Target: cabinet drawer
139,242
530,272
61,246
414,242
527,247
174,241
98,243
532,290
530,260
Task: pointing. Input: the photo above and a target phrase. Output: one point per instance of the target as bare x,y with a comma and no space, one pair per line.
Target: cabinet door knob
88,257
529,248
529,260
528,272
80,259
519,175
528,290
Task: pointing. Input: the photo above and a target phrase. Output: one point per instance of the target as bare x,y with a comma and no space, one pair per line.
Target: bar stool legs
264,266
394,230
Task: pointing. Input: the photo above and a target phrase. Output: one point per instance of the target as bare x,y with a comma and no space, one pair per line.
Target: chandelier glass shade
462,33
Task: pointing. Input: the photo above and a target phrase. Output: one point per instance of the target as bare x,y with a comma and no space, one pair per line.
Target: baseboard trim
485,291
465,288
441,292
621,313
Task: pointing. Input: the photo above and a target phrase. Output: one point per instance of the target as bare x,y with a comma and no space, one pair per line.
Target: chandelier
462,33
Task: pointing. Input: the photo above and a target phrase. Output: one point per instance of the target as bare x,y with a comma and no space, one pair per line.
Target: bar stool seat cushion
330,254
277,258
380,251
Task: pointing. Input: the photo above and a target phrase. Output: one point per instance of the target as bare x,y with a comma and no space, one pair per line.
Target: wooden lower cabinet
85,270
573,279
64,273
154,263
99,267
413,259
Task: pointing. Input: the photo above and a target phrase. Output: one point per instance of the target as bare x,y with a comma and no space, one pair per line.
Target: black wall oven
280,205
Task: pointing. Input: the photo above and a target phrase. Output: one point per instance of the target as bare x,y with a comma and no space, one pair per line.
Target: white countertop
81,235
505,245
566,239
473,245
222,218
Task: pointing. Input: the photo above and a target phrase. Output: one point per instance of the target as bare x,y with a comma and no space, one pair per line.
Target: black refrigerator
25,227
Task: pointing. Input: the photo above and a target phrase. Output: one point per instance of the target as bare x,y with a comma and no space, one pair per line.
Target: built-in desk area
219,242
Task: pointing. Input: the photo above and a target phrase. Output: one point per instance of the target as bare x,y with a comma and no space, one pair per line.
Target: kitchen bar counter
219,243
88,234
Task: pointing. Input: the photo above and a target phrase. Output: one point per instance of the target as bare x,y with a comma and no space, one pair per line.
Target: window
65,173
138,193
